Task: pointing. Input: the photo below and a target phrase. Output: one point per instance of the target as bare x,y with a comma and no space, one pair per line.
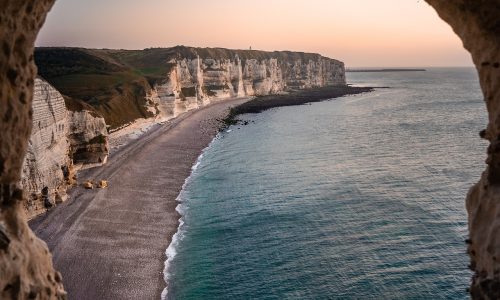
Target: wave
171,251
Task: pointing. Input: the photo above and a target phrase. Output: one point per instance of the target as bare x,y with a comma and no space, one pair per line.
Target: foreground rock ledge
26,270
25,265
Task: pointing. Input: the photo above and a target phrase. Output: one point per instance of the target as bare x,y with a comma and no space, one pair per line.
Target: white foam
171,251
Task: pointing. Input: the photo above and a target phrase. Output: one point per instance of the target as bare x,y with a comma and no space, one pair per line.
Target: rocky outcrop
477,23
61,141
88,137
161,83
194,82
47,162
25,263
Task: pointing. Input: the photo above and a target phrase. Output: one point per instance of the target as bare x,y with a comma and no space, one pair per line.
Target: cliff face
59,139
48,149
124,85
88,138
26,269
25,261
194,82
476,23
185,78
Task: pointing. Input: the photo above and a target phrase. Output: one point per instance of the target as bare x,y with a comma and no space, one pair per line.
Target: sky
362,33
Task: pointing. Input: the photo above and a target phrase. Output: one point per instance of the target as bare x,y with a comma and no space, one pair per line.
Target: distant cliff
124,85
97,89
61,141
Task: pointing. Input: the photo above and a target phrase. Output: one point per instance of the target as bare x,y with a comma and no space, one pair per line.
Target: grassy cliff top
222,53
153,62
115,82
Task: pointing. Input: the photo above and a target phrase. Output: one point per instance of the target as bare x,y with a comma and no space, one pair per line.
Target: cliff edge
61,142
125,85
85,92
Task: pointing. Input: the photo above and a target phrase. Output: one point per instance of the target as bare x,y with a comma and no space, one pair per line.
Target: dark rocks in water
297,97
386,70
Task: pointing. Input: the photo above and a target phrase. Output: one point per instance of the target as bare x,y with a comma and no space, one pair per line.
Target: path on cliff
110,243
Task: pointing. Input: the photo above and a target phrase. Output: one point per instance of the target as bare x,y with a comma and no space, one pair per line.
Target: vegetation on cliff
115,82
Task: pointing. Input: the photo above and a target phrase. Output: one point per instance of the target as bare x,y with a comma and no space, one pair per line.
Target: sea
359,197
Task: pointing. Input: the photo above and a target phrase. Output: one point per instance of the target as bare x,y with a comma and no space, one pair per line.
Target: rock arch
25,264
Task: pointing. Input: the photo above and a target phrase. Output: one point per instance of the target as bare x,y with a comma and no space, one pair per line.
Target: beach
110,243
360,197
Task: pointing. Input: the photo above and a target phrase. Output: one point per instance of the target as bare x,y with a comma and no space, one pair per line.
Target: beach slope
110,243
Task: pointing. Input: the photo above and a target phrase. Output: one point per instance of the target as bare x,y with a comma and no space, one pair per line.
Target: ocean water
360,197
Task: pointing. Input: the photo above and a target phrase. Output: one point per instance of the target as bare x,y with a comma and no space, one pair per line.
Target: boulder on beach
88,185
102,184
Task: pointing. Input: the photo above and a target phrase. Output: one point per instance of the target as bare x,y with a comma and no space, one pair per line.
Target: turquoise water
360,197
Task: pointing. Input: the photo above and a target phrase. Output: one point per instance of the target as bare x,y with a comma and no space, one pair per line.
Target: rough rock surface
194,82
26,270
126,85
477,23
88,139
25,265
60,139
48,150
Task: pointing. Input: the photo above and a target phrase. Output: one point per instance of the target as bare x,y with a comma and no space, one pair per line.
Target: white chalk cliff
194,82
59,139
64,140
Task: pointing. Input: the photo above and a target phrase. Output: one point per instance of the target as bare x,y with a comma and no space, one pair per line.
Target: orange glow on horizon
362,33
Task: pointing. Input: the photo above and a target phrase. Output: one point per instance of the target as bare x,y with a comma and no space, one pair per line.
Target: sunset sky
362,33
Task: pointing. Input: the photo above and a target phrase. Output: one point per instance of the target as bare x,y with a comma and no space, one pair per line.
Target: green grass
114,82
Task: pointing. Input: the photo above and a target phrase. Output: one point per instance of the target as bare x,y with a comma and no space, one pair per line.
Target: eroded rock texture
25,264
47,155
62,141
477,23
194,81
161,83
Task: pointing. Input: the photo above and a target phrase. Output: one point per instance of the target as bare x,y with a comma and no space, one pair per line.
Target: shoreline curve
111,243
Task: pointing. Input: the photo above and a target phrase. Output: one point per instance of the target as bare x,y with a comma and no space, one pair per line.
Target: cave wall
477,23
25,264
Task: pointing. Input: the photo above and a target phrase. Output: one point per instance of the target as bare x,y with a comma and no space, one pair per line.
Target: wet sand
110,243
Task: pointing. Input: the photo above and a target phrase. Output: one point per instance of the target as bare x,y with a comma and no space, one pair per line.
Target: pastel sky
362,33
